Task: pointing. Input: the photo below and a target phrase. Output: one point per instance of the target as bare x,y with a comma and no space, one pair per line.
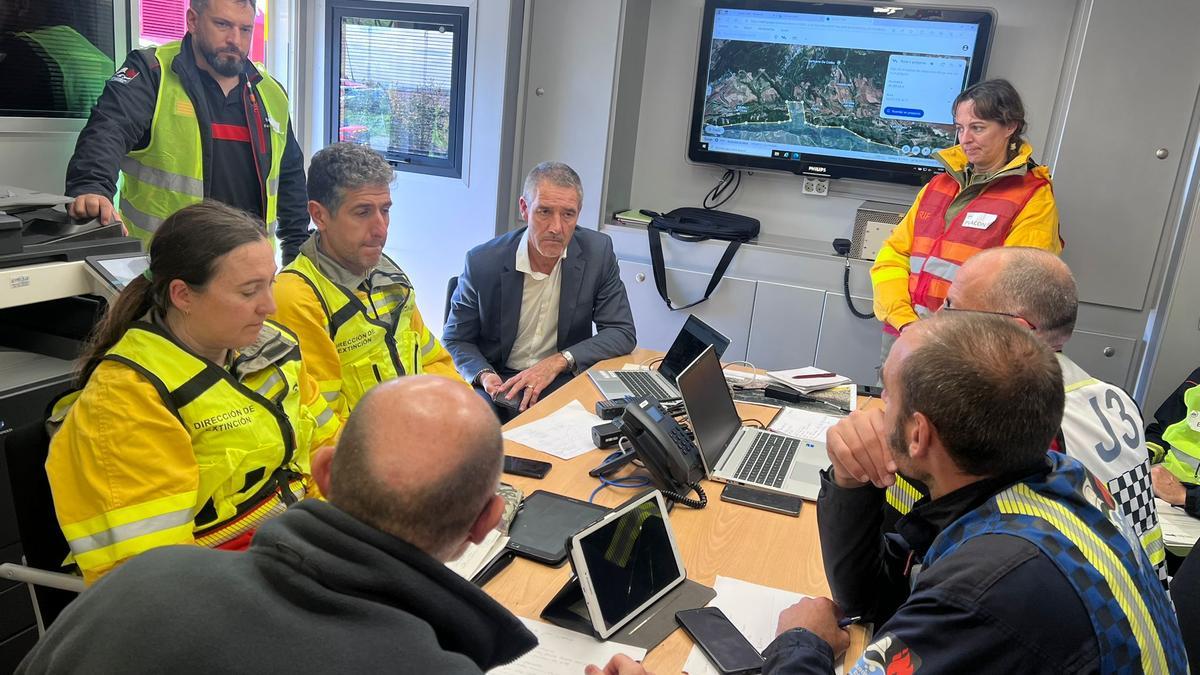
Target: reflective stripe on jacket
916,265
248,433
376,335
168,174
1067,515
1102,429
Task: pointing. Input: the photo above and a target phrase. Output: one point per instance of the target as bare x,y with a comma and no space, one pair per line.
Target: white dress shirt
537,329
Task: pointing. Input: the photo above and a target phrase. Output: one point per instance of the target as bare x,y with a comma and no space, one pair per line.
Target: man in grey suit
520,323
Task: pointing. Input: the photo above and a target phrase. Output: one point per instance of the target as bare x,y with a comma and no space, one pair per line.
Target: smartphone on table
530,468
720,640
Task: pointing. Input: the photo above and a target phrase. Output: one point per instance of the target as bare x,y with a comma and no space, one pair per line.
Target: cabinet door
1104,357
1131,104
728,310
849,345
784,327
568,93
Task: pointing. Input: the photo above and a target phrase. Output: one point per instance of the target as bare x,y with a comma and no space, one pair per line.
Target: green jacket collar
383,274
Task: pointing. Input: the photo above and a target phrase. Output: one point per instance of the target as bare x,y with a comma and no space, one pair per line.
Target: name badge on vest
1194,420
979,221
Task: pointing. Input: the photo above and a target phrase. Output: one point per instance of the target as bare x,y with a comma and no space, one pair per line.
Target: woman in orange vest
992,194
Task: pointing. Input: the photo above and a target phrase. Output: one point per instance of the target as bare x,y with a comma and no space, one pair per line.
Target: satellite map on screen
824,97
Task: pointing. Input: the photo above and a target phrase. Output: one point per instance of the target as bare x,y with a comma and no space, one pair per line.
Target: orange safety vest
938,251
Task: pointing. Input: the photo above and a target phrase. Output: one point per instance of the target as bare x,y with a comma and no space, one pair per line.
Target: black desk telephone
666,450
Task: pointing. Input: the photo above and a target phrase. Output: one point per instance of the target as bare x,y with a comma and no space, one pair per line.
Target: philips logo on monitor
816,169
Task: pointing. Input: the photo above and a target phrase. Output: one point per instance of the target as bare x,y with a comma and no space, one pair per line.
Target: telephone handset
666,450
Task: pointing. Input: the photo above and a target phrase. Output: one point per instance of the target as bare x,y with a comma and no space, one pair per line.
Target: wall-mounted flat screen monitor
838,89
55,56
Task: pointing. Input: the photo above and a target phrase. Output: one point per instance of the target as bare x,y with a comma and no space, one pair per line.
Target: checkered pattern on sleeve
1134,495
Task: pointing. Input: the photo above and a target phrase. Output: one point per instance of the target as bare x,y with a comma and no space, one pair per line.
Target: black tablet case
569,610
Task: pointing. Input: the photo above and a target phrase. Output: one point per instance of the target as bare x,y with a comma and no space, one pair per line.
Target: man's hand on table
529,383
858,448
619,665
818,616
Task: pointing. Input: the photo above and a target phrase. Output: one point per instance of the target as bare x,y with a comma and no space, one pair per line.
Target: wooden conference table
721,539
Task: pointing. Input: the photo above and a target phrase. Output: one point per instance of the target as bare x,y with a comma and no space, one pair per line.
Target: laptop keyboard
768,460
641,383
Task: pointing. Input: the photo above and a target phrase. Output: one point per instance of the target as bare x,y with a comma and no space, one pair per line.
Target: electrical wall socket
815,185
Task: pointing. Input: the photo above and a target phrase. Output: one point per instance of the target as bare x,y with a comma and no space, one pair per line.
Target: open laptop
744,455
659,384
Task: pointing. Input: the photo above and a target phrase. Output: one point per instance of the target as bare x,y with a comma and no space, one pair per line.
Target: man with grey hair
521,318
191,120
1101,426
353,308
354,584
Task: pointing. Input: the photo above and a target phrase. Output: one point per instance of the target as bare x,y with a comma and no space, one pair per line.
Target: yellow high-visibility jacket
163,447
352,338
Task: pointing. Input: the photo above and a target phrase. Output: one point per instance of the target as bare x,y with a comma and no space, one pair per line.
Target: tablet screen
119,270
631,561
544,523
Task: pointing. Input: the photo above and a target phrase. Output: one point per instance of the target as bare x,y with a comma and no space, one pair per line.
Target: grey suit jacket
486,306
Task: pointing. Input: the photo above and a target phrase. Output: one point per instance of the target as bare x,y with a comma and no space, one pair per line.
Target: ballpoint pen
847,621
810,376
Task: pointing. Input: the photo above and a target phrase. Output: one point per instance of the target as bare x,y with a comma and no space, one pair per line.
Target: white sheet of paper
565,433
1179,529
804,424
754,609
477,556
564,651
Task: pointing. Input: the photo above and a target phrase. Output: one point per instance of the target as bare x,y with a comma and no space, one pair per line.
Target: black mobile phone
501,399
870,390
761,499
531,468
720,640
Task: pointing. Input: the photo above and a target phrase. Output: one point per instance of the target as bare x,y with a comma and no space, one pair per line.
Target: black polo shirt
233,176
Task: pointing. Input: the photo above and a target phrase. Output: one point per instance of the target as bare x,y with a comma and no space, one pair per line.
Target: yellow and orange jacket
917,263
352,338
163,447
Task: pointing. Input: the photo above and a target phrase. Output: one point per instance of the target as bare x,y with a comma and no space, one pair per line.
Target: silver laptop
659,384
743,455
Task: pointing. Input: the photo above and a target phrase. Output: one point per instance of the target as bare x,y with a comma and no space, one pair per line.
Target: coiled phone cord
688,501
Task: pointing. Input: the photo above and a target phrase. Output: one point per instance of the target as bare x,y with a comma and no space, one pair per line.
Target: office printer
50,300
35,227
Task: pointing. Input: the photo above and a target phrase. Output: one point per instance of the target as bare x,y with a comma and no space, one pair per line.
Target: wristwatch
570,360
478,380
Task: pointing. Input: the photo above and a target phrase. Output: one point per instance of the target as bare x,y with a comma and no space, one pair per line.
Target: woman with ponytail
194,418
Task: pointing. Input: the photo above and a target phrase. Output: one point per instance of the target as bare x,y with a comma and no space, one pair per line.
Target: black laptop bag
694,224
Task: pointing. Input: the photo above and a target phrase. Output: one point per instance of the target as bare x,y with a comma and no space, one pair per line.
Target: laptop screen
692,339
709,406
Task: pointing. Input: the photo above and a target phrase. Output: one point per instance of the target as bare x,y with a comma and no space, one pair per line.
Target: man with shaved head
355,584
